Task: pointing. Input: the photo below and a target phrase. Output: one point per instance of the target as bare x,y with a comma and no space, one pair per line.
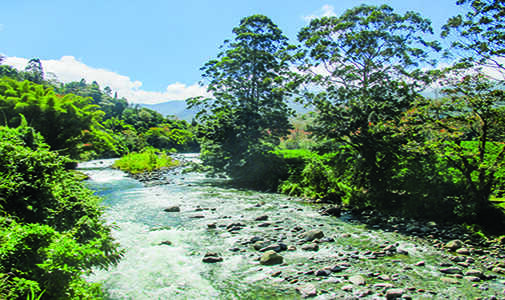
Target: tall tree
248,114
364,70
34,71
479,34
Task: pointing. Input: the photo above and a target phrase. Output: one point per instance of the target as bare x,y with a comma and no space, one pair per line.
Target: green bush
51,231
146,161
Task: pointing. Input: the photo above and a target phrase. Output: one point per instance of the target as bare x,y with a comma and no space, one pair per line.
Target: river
164,250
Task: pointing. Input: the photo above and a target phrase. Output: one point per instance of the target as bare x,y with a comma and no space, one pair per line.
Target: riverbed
167,229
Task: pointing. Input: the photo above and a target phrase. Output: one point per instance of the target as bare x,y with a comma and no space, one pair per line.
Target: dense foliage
51,231
374,140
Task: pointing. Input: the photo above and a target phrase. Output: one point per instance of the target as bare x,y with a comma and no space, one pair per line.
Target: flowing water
164,250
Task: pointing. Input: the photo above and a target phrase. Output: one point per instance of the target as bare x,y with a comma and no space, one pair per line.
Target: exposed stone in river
394,293
332,211
275,247
307,290
311,235
260,245
451,270
270,258
310,247
454,245
261,218
357,280
450,280
174,208
212,257
463,251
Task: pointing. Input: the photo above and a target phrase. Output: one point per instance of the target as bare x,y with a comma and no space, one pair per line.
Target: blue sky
151,51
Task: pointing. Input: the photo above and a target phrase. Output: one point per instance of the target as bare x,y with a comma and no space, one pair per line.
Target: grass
146,161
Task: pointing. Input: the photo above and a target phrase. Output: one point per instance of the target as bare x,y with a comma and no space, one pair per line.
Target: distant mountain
172,108
178,108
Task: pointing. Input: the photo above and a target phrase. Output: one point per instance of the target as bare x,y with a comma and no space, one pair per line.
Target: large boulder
271,258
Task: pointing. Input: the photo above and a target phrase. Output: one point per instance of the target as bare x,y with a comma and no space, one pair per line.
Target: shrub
146,161
51,231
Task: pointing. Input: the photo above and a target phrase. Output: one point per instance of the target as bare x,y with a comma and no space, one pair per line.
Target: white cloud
68,69
325,11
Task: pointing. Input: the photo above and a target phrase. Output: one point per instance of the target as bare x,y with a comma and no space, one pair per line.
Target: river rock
291,248
332,211
310,247
260,245
402,251
211,225
212,257
384,277
307,291
472,278
323,272
451,270
474,272
383,285
449,280
499,270
347,288
275,247
166,243
311,235
463,251
261,218
174,208
394,293
270,258
454,245
327,240
357,280
197,217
